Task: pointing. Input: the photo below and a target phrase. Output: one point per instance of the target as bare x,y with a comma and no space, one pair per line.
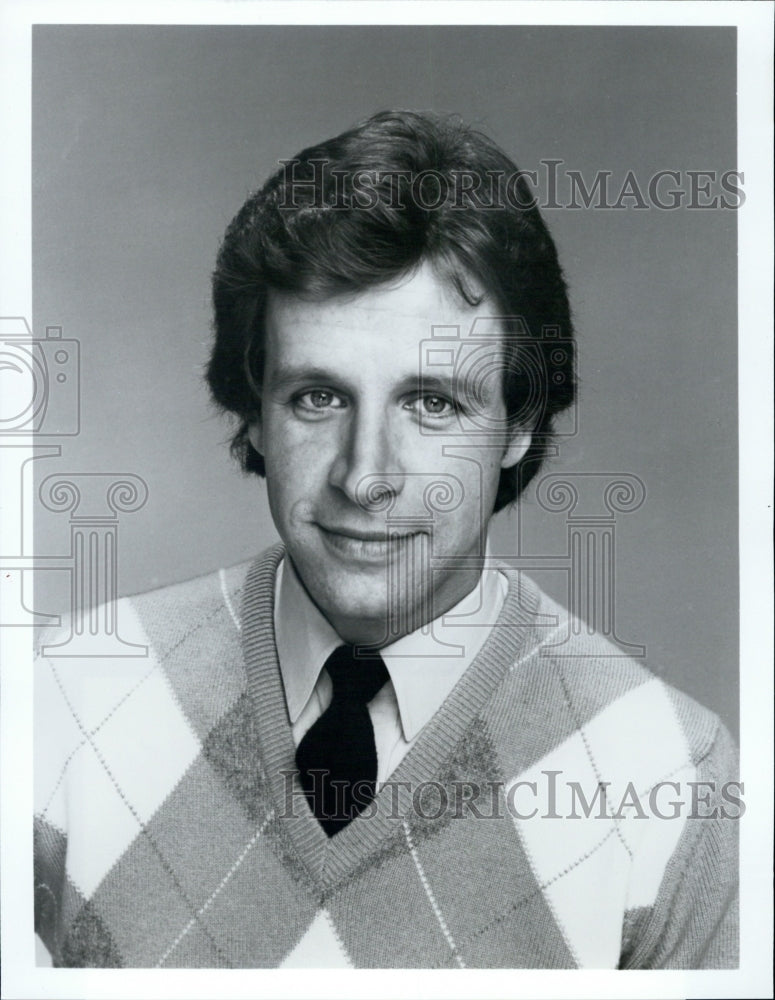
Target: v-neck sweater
171,830
330,859
443,649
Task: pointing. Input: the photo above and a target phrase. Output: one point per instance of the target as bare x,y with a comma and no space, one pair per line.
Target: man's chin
365,614
368,596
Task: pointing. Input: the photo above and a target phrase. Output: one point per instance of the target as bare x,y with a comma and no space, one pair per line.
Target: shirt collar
305,638
424,666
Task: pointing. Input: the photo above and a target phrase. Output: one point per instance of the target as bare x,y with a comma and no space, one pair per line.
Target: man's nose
368,467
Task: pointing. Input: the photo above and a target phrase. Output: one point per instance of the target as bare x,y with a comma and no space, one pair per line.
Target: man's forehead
423,302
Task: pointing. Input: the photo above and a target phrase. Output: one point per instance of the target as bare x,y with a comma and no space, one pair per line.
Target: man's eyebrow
290,376
286,377
438,383
454,385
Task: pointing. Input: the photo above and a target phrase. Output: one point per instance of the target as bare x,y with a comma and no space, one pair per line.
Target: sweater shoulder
171,663
177,609
164,614
581,682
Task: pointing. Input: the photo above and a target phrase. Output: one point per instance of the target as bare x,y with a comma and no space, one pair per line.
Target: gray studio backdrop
145,143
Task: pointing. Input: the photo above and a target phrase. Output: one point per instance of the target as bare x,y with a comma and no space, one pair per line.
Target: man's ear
517,447
256,433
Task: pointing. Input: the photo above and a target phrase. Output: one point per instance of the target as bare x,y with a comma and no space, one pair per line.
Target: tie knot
355,678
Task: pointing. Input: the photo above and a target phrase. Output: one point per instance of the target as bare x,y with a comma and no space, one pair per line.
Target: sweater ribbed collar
329,860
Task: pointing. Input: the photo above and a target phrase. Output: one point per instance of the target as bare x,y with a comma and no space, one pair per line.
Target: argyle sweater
170,830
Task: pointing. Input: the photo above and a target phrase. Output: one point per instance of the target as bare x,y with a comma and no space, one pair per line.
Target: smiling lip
364,546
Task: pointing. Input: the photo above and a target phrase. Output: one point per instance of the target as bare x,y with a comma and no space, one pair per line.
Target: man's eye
432,407
319,400
436,405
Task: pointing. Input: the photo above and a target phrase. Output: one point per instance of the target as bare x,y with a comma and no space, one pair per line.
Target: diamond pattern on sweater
89,942
528,715
72,903
85,695
142,901
200,846
212,640
51,768
588,685
104,705
319,948
195,950
370,914
544,701
124,770
542,797
488,895
196,922
525,936
94,796
616,736
577,856
232,748
147,763
604,871
259,882
472,766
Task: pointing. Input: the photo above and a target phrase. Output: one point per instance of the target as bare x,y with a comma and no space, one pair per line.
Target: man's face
354,440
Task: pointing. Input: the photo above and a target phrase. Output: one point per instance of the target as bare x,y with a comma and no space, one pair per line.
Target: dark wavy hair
369,207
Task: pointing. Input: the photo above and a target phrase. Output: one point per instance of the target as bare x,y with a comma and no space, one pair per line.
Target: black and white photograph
386,485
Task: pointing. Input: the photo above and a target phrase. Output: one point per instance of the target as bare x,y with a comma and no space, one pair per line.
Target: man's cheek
296,458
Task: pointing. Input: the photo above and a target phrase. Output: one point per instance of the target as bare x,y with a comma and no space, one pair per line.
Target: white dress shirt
423,666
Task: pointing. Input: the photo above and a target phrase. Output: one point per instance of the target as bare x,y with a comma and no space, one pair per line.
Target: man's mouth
367,545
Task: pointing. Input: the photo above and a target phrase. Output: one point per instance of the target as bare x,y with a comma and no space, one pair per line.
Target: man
366,748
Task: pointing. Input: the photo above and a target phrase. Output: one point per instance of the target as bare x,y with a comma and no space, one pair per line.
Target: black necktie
337,758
